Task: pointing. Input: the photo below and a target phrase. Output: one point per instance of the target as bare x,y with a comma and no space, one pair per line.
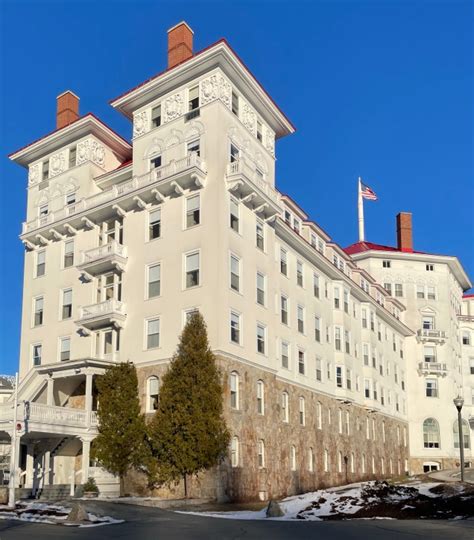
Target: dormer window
259,131
45,169
235,103
72,157
193,98
156,116
155,162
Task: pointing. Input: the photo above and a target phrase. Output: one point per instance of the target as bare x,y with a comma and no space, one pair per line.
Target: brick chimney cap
68,92
179,24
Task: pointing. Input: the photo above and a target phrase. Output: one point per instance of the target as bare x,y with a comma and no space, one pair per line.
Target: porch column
29,466
88,400
86,450
49,392
46,467
15,459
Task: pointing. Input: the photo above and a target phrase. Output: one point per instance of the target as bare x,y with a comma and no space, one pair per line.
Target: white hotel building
325,378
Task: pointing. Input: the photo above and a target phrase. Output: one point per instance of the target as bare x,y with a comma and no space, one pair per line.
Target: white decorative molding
249,118
90,150
34,174
57,163
208,90
173,107
140,124
157,146
270,141
225,92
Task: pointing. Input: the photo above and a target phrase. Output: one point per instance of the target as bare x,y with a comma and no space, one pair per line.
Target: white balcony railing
110,249
241,166
156,175
108,308
425,334
433,367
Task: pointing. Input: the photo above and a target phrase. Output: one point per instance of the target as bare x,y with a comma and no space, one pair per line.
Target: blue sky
377,88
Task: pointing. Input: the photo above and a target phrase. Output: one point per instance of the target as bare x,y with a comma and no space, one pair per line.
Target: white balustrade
436,334
112,248
103,308
48,414
241,166
108,195
433,367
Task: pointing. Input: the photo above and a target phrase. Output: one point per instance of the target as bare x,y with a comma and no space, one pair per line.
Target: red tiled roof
471,295
360,247
222,40
92,115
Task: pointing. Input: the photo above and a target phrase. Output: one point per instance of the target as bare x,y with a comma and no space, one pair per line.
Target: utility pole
13,456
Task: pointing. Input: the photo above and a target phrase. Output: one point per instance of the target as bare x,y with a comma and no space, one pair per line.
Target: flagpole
360,207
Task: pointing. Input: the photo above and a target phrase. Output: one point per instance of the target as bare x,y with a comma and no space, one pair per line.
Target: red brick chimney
180,44
404,232
67,109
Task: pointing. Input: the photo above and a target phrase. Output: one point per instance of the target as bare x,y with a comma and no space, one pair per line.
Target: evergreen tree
188,432
122,431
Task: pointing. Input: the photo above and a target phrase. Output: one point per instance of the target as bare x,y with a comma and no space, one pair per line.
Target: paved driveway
155,524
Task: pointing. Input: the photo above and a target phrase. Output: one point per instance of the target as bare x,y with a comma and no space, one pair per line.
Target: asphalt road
154,524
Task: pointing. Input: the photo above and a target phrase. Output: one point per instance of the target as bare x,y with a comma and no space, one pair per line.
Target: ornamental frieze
173,107
90,150
140,124
34,173
57,164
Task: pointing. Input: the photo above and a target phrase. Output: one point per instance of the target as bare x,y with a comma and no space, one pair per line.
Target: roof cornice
86,125
221,55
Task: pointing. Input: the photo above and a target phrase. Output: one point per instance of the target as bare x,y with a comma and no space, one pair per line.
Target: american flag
367,193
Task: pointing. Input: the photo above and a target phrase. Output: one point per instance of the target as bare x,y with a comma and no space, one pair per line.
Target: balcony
111,256
253,190
169,180
109,313
431,336
432,368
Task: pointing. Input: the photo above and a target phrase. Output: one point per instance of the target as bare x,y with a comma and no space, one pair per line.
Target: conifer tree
121,443
188,432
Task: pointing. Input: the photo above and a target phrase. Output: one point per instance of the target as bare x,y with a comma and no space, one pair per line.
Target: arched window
319,415
260,397
339,462
293,458
285,407
326,461
352,463
234,390
153,387
302,412
465,434
431,433
310,460
363,463
234,451
261,453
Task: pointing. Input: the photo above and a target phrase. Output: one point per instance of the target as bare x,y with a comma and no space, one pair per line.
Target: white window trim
147,274
184,271
147,223
185,204
145,333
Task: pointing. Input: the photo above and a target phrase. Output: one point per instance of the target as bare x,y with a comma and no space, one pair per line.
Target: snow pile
35,512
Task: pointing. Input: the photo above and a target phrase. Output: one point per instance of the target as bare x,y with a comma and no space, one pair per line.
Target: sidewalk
453,475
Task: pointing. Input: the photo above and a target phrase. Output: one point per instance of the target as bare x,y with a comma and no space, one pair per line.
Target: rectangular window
154,280
429,354
235,327
317,328
431,388
155,162
193,211
300,317
235,103
347,342
301,362
386,264
367,389
364,318
420,291
429,267
234,153
65,349
260,240
193,98
348,379
261,338
156,116
337,338
471,365
235,273
431,293
284,309
283,262
70,198
285,354
67,304
260,289
319,369
299,273
37,351
346,301
39,310
339,376
259,131
398,290
152,333
154,224
194,147
40,263
234,215
68,253
388,288
337,302
192,270
72,157
316,285
365,349
45,170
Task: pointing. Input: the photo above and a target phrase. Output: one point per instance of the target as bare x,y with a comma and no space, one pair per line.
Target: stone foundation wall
276,479
416,464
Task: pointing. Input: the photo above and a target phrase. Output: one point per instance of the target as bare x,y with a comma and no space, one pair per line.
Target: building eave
88,124
218,55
